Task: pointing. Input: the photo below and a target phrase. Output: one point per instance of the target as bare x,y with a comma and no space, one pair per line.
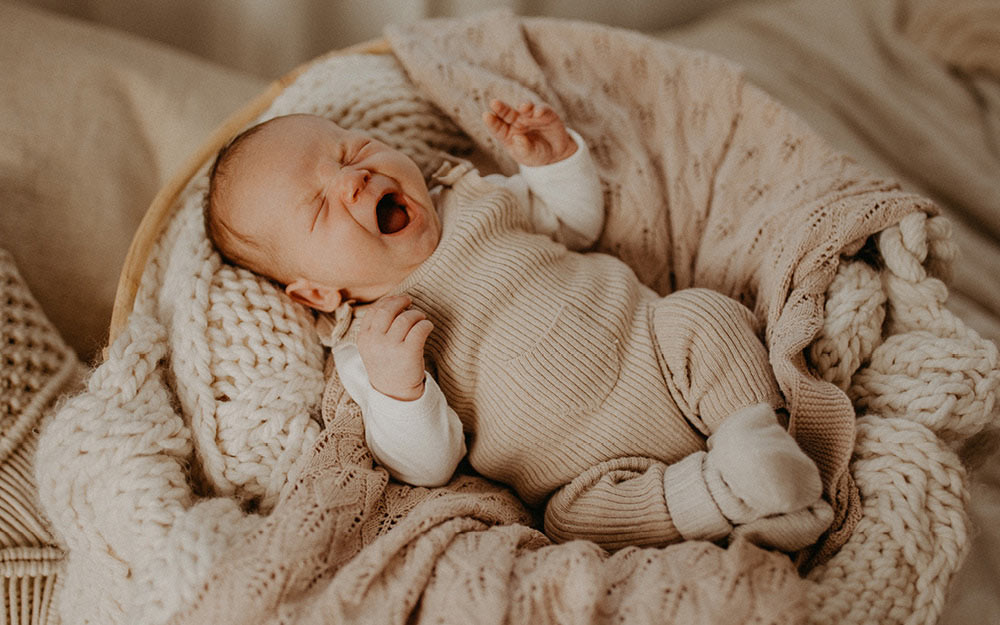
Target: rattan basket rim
161,208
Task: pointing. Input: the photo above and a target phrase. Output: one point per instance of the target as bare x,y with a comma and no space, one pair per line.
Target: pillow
92,123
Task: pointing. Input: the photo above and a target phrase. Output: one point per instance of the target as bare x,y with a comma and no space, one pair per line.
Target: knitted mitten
753,481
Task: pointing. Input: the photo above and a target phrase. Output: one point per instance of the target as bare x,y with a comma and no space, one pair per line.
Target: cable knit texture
192,482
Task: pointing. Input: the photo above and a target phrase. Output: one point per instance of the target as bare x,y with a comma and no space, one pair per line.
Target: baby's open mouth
391,214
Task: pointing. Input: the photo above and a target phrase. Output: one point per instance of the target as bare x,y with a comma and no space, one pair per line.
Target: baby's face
346,216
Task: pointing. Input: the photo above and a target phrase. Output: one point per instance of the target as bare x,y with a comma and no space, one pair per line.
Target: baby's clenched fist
533,134
391,343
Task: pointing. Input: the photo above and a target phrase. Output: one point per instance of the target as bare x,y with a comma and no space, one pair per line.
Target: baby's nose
355,182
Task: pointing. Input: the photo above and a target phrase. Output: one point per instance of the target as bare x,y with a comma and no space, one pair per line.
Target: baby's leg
615,504
644,502
756,478
718,372
713,361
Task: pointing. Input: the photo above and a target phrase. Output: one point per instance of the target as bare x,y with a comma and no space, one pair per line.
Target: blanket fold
708,182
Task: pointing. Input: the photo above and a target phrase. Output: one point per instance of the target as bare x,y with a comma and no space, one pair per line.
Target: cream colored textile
139,533
910,88
35,367
708,182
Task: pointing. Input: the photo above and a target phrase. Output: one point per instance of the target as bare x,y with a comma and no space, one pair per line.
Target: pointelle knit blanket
157,484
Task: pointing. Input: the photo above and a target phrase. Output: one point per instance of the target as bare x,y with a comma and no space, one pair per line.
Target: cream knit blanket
192,478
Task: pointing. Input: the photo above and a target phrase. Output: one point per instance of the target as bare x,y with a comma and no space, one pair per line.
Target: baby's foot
753,472
791,531
755,468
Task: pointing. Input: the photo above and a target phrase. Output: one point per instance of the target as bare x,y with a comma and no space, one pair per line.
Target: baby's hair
235,247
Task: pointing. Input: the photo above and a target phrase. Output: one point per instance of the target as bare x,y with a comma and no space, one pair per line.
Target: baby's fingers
539,116
418,334
503,111
384,312
403,324
495,125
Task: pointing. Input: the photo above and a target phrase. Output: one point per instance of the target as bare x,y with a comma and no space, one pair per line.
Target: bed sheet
911,88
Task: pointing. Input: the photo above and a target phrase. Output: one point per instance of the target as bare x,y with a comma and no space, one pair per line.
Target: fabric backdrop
268,38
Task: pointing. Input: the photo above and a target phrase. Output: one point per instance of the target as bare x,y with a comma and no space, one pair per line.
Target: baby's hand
391,342
532,135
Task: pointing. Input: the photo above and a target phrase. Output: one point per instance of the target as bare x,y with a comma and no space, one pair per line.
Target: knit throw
192,478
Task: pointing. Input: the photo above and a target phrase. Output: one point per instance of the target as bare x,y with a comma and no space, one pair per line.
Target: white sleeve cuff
690,503
570,191
419,442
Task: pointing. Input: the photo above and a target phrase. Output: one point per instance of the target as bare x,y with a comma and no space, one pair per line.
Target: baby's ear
318,296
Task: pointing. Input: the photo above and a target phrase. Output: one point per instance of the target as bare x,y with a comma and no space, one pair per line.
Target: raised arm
559,183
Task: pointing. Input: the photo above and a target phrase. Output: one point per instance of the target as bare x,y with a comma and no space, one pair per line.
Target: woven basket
914,532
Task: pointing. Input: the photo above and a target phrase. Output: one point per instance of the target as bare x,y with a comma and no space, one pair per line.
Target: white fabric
420,442
691,506
566,201
750,450
754,476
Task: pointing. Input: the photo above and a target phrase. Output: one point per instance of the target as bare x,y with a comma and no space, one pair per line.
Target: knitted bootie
753,472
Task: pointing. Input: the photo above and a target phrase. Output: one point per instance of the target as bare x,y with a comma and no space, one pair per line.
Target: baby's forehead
308,125
288,137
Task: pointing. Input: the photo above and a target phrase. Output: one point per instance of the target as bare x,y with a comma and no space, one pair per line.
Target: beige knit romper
574,381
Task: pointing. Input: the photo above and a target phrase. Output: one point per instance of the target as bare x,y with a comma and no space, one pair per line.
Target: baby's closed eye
320,208
354,154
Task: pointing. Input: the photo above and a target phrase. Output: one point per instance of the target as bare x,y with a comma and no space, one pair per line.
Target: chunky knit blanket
193,481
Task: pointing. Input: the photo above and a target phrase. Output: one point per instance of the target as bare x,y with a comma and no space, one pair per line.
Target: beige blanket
708,183
912,88
349,546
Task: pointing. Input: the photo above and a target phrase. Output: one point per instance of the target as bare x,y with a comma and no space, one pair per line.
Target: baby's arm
558,181
419,439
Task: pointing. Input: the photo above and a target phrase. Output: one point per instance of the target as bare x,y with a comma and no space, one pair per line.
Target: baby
575,384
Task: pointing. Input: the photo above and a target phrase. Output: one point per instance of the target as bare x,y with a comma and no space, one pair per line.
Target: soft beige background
267,38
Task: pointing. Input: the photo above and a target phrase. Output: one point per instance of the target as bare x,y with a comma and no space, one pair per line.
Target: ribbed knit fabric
551,360
691,506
